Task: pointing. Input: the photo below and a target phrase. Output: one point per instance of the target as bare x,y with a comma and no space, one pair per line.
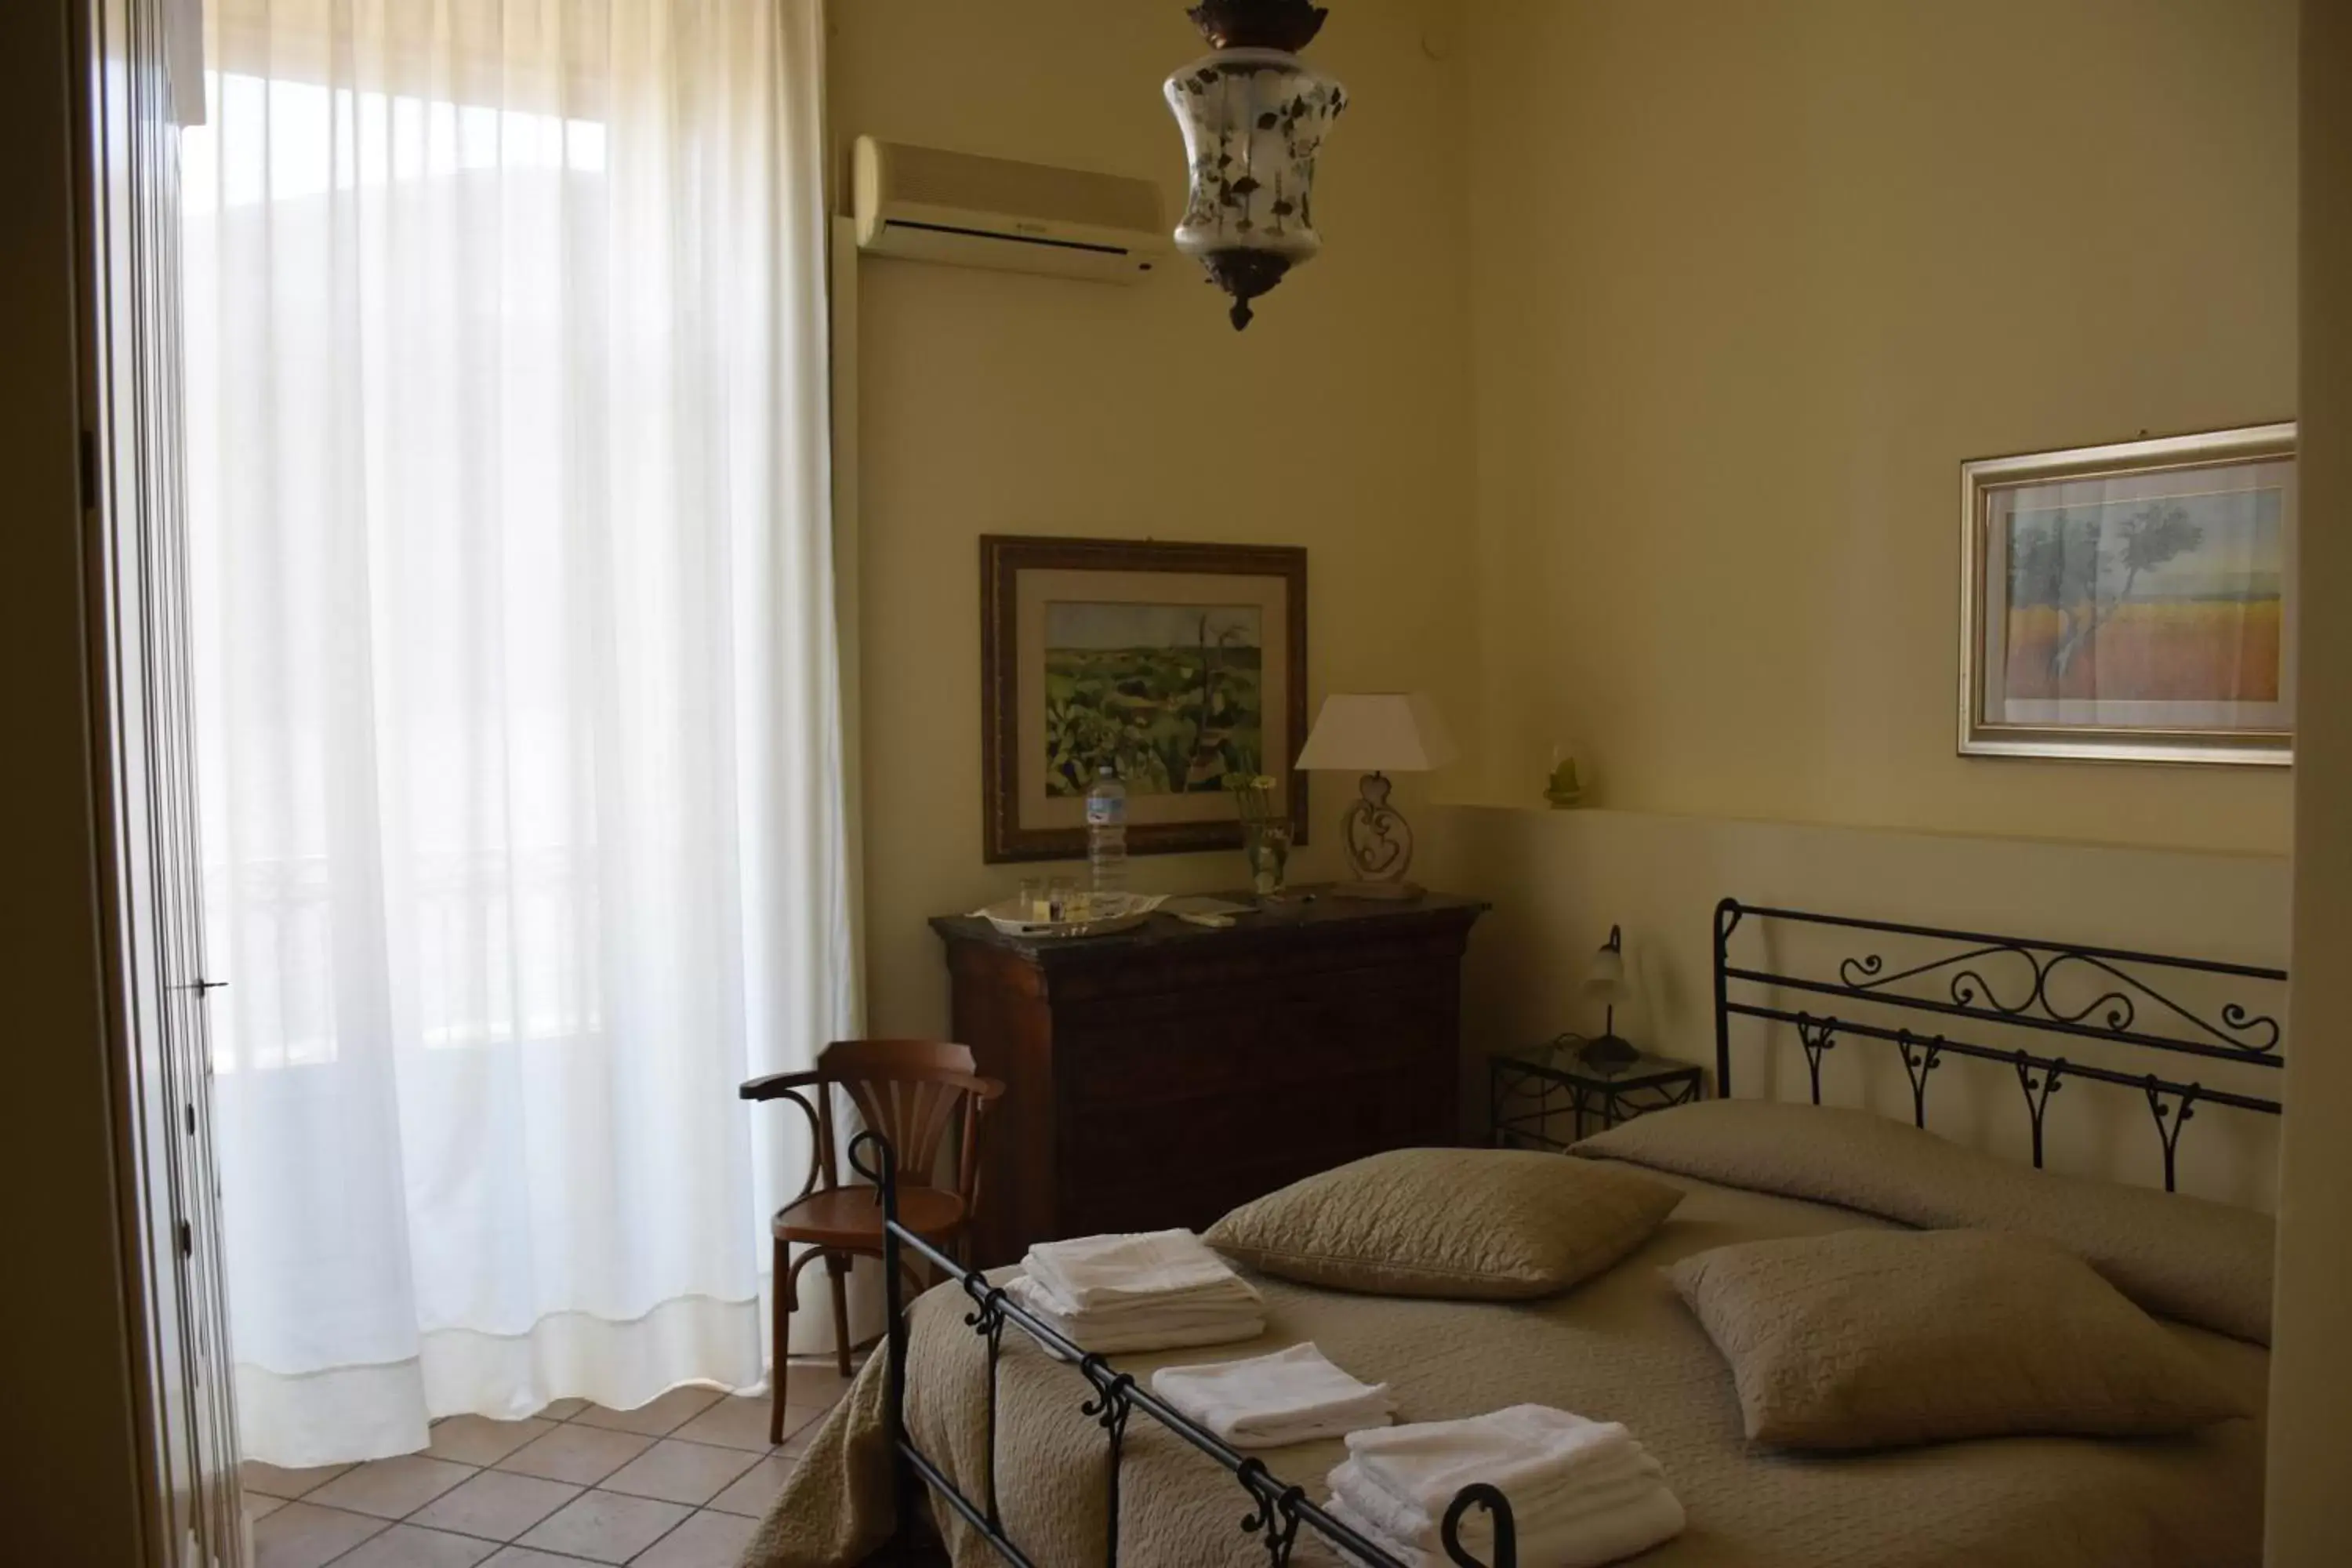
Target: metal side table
1532,1088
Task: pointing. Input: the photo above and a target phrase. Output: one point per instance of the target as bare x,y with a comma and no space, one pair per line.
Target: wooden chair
910,1092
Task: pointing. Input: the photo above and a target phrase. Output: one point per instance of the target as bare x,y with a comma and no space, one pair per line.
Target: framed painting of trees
2132,603
1180,667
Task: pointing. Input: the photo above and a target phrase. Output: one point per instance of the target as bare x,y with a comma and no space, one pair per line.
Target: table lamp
1376,735
1604,982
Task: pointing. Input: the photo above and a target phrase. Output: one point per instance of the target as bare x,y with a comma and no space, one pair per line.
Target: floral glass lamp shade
1253,117
1376,735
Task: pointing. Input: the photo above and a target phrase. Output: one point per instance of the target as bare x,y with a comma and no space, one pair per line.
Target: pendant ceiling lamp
1254,116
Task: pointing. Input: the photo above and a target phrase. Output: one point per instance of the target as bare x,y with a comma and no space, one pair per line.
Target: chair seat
852,1216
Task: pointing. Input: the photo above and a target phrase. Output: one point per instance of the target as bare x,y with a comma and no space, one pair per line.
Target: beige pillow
2190,1258
1866,1338
1463,1224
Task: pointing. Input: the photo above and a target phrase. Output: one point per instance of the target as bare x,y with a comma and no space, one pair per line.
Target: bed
1051,1463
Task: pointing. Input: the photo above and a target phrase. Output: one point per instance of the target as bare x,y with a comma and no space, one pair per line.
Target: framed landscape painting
2132,603
1177,664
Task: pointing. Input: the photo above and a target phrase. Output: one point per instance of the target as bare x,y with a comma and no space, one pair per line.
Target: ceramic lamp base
1609,1053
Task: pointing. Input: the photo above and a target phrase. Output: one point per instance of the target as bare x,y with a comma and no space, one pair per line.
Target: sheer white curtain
519,715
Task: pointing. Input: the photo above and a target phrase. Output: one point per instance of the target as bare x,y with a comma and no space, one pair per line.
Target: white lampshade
1377,733
1604,981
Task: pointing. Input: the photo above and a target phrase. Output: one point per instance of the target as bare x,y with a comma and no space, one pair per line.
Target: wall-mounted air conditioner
933,206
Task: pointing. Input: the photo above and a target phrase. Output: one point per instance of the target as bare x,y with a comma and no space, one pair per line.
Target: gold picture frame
2132,602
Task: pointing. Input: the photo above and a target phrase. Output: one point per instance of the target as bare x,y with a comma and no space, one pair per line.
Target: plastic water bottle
1106,832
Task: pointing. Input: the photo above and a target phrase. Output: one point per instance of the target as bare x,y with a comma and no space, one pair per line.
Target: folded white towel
1243,1302
1100,1273
1582,1491
1142,1327
1600,1493
1587,1542
1294,1396
1527,1450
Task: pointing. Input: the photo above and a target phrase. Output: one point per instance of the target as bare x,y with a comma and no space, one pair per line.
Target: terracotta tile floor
678,1483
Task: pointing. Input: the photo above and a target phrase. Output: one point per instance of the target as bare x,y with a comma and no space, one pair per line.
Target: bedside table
1530,1085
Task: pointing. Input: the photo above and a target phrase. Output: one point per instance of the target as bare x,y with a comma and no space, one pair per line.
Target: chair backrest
910,1092
845,1057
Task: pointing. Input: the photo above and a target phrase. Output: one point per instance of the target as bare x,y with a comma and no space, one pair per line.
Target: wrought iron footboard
1962,966
1277,1510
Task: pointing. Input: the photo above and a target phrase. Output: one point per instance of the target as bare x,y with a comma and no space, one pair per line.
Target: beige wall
997,402
1745,284
2311,1372
1739,299
1751,278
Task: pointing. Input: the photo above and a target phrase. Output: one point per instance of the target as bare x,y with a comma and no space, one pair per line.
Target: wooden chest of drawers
1161,1076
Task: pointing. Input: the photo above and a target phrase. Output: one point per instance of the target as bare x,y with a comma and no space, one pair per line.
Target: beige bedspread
1620,1348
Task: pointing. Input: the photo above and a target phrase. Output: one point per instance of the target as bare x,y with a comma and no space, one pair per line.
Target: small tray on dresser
1125,911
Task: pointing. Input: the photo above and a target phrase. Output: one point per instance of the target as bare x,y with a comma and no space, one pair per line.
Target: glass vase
1266,842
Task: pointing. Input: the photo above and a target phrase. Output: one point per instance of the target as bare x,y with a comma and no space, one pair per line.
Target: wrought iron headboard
2127,1010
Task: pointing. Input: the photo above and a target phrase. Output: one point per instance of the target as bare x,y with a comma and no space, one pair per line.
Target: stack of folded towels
1158,1291
1583,1492
1271,1401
